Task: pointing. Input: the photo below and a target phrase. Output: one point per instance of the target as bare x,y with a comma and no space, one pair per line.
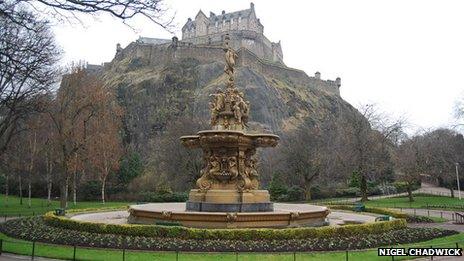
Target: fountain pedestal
216,200
229,180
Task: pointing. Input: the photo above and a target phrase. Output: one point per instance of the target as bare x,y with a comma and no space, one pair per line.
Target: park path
12,257
426,188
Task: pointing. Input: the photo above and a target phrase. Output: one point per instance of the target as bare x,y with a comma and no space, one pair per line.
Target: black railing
14,247
459,218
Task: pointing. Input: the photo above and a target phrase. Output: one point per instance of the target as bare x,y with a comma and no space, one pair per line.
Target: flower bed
35,229
232,234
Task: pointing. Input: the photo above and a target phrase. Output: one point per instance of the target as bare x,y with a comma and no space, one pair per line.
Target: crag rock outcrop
160,85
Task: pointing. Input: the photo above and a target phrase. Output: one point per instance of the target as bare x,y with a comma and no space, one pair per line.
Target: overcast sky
405,56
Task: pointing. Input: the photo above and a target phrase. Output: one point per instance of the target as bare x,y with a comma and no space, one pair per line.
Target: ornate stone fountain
227,193
229,179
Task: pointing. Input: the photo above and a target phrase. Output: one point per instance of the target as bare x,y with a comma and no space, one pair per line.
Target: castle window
239,19
231,20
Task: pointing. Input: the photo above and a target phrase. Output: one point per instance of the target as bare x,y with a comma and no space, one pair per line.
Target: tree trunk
20,191
7,190
67,191
29,193
363,188
103,191
31,166
74,189
63,193
411,199
307,193
49,170
49,192
452,192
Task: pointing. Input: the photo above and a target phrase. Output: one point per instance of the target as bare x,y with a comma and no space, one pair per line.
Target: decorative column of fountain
229,180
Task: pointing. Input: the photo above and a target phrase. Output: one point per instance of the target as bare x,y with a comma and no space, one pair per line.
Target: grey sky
405,56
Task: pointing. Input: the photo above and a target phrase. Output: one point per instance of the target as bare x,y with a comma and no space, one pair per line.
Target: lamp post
457,180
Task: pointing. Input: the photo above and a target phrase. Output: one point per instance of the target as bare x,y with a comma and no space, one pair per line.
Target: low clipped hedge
229,234
385,211
35,229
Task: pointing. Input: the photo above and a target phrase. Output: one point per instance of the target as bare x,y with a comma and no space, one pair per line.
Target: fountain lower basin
283,215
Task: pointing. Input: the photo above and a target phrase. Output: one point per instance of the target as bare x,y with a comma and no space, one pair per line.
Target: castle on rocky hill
243,27
203,40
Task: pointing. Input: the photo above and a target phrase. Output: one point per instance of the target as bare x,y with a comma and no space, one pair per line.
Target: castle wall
253,41
164,53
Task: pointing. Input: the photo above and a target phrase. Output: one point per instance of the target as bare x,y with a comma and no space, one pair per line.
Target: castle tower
244,27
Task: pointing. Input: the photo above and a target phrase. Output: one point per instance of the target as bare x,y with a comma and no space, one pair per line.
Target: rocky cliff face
157,92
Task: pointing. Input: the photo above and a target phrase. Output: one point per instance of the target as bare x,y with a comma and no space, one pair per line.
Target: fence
13,215
35,249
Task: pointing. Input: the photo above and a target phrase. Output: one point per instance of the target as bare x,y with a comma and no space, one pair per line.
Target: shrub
402,186
419,219
37,230
277,188
347,192
164,196
295,193
387,189
231,234
374,190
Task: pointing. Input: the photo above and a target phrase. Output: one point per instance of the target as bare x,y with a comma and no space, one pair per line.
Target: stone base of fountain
283,215
217,200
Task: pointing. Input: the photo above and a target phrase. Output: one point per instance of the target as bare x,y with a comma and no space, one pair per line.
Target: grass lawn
420,201
39,206
65,252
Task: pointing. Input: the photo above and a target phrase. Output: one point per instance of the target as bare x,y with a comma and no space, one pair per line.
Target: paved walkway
425,188
434,190
445,225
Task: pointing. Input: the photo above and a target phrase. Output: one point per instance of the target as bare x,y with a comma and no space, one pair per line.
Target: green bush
347,192
277,188
164,196
131,166
295,193
229,234
402,186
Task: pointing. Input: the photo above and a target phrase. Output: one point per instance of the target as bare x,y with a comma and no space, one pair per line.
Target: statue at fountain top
231,57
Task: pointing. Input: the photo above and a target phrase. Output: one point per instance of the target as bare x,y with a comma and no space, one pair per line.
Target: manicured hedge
34,229
232,234
385,211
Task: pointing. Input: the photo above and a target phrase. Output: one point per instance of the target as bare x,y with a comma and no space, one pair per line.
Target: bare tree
153,10
442,149
409,163
459,112
27,70
179,167
75,105
104,146
370,154
312,154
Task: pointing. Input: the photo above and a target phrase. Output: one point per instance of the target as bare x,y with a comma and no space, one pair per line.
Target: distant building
148,40
244,28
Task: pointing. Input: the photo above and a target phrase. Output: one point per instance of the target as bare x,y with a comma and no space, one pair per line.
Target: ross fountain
228,194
